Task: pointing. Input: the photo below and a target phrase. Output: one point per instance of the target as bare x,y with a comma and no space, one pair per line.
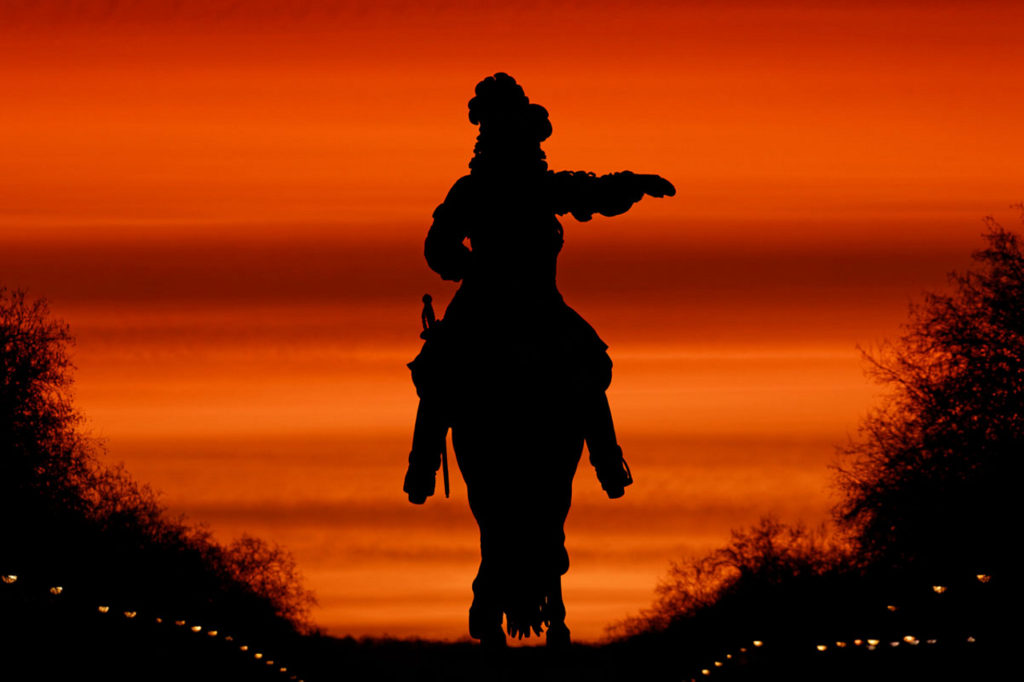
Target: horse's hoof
493,640
558,637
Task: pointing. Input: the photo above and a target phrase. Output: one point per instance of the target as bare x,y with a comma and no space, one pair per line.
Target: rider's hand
657,186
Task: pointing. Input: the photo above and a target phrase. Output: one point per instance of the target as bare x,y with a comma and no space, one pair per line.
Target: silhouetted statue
516,373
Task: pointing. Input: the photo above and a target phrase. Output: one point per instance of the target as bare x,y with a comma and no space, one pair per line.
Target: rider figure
506,210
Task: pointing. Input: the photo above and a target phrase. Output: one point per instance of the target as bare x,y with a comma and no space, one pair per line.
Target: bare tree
929,482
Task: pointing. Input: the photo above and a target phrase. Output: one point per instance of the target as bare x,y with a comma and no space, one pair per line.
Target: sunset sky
227,202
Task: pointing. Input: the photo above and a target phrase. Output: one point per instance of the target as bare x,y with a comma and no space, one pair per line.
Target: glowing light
894,643
705,671
872,647
939,589
873,642
284,670
159,620
56,589
718,664
103,609
257,655
743,649
841,645
244,647
197,628
758,642
11,579
270,663
179,623
932,641
983,578
971,640
891,607
130,614
910,639
821,647
728,656
229,638
858,642
212,633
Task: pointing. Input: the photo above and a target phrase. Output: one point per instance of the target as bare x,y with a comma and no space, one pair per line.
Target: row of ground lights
872,644
10,579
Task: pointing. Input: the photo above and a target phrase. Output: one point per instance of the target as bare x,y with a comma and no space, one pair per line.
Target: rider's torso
514,235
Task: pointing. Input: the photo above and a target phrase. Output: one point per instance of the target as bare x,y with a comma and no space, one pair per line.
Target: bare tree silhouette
928,486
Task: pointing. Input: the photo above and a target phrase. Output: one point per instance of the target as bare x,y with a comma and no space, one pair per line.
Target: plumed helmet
500,107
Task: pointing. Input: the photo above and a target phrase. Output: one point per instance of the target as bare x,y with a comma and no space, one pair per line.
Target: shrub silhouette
767,578
69,520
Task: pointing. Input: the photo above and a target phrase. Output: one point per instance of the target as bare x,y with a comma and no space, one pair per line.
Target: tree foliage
927,487
69,519
928,483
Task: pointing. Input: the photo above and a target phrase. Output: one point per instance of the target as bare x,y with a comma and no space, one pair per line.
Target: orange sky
227,202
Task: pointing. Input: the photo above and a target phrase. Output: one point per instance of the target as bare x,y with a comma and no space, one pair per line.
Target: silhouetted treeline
103,539
919,556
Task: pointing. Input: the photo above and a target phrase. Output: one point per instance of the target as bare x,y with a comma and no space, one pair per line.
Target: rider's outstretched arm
583,194
445,252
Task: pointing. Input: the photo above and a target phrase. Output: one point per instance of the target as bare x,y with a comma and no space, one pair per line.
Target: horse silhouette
517,374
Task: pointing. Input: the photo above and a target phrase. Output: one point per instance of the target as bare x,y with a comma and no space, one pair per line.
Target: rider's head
511,129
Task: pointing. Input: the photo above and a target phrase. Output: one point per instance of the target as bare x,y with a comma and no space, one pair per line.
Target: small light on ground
891,607
983,577
56,589
873,642
212,633
821,647
103,609
971,640
11,579
130,614
939,589
841,645
758,642
705,671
